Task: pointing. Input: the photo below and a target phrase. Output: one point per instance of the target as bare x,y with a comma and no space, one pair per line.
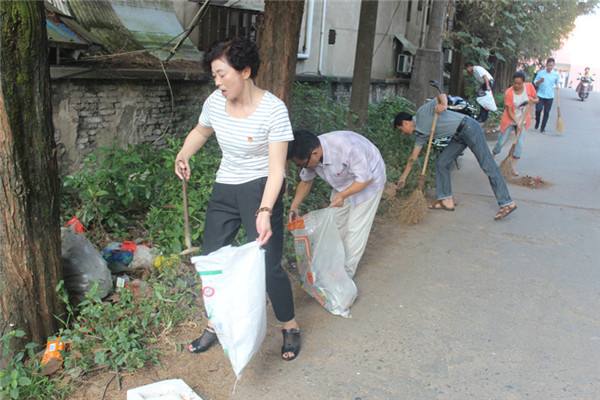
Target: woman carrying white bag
253,130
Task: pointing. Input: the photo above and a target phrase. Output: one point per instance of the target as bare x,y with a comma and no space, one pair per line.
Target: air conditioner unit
404,63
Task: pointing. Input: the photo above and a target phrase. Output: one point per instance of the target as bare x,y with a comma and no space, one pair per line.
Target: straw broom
560,125
506,167
413,210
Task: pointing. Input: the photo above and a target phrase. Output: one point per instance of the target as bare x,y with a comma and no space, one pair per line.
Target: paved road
462,307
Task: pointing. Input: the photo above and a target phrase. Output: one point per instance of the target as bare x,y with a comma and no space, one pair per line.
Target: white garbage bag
320,260
487,101
234,292
171,389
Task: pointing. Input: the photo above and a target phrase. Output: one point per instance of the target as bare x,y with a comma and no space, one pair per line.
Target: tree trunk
457,75
279,34
429,60
29,186
363,60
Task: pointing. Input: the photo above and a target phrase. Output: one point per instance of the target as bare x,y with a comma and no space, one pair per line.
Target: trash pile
85,268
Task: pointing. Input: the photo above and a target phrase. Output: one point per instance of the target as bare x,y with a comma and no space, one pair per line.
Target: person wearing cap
355,170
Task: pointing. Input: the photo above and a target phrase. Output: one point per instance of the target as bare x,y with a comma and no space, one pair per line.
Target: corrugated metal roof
59,6
155,26
60,33
99,17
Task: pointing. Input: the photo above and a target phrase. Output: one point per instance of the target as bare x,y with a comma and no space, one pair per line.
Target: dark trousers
471,135
483,113
232,206
546,106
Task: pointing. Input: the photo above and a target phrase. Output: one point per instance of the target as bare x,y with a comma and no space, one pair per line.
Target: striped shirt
244,142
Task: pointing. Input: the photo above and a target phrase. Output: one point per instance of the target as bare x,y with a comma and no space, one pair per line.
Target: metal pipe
305,54
322,39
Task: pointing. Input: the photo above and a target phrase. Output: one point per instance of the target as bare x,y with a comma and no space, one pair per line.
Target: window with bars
221,23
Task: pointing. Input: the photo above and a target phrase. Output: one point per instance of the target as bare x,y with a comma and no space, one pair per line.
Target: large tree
500,33
278,43
363,61
428,61
29,184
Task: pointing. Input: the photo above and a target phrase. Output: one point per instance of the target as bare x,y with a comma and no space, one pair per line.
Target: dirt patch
209,374
531,182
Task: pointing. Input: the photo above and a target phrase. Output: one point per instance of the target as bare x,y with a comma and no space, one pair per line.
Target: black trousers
232,206
546,105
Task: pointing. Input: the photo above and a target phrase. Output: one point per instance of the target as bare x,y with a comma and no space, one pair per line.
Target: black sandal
204,342
291,343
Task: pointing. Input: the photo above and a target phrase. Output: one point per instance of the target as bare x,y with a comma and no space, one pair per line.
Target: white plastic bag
233,287
172,389
320,258
487,101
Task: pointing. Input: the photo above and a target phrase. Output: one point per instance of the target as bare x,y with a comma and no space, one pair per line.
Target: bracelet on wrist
264,209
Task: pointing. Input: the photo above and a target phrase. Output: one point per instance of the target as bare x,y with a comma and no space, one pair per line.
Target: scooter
584,87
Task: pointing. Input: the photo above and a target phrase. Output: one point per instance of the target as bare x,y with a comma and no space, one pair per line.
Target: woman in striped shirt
253,129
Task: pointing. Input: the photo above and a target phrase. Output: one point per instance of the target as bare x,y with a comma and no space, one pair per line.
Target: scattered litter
75,225
83,266
162,263
118,256
143,258
126,256
233,288
52,359
320,259
532,182
171,389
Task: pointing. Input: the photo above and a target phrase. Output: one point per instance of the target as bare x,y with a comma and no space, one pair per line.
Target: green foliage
119,335
123,191
134,191
21,378
516,30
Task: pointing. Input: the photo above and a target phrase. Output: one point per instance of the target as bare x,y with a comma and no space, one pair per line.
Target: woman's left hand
263,227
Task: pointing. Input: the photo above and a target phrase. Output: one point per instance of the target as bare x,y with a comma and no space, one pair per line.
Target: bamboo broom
560,125
413,210
507,167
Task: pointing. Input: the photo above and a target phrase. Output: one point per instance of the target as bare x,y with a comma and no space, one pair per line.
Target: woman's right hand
182,167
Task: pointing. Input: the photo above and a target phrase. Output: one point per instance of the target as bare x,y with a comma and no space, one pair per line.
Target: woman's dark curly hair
239,53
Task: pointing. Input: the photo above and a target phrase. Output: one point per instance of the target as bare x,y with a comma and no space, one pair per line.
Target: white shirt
347,158
479,72
519,99
244,142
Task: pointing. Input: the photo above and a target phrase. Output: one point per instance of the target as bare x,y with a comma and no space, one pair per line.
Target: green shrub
133,192
119,335
21,378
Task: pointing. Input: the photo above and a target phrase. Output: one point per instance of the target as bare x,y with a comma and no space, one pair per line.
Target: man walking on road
485,81
546,82
354,168
465,132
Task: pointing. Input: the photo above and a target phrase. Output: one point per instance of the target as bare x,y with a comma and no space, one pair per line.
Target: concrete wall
343,16
92,113
88,114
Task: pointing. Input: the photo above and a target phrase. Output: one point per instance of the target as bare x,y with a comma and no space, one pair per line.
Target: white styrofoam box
172,389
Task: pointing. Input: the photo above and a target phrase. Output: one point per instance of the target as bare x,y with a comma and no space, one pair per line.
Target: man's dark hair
550,60
305,142
401,117
469,64
239,53
519,74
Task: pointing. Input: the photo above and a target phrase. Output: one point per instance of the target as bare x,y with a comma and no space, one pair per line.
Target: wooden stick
431,135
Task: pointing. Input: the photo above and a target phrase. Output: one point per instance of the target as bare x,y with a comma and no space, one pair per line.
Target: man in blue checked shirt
546,82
